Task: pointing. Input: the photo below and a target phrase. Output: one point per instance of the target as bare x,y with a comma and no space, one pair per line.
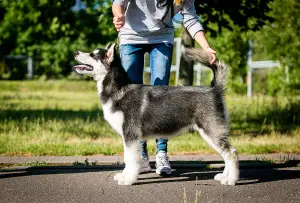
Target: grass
65,118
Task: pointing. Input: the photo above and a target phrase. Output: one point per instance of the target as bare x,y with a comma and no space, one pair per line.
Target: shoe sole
163,173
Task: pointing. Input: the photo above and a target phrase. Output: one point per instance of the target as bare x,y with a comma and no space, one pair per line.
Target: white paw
228,181
124,180
219,176
117,176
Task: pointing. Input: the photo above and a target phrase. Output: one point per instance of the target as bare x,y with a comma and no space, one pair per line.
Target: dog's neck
99,80
112,83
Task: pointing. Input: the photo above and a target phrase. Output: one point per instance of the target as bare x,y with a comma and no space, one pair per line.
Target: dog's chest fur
115,119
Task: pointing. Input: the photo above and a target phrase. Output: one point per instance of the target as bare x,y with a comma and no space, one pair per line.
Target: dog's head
95,64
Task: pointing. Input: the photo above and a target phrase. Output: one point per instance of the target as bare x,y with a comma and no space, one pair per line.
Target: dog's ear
110,53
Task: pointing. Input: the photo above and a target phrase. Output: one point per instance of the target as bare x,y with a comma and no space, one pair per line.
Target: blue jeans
132,58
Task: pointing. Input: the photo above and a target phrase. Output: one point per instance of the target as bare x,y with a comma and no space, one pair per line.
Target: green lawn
65,118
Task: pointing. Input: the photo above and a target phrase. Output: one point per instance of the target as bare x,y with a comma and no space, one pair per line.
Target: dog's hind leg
218,139
132,159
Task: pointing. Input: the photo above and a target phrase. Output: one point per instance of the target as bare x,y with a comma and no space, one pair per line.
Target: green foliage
232,48
56,58
280,40
18,69
51,32
246,14
230,24
278,82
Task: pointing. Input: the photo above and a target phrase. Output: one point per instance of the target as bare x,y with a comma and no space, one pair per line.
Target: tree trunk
186,71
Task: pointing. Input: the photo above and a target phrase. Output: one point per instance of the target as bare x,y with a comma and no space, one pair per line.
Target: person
146,26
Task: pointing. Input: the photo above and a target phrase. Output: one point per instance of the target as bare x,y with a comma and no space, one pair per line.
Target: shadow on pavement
33,171
200,176
247,176
267,175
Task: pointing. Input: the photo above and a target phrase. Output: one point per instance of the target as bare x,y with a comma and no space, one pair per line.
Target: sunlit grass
65,118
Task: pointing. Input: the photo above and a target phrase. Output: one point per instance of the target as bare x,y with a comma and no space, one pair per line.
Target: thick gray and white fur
139,112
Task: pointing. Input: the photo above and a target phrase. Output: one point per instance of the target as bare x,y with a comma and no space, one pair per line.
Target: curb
100,162
118,159
118,166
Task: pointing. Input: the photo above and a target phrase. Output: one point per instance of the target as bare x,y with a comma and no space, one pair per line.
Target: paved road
96,185
119,158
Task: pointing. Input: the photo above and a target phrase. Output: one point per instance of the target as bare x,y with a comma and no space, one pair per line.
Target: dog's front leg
132,159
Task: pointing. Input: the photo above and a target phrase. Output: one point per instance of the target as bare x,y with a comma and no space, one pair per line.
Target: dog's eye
92,55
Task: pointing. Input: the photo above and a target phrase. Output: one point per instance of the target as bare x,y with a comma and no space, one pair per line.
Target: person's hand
212,54
119,22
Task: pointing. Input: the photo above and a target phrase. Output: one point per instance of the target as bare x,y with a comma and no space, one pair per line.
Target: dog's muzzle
82,67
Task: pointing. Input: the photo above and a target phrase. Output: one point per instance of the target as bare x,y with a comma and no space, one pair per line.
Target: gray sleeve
190,18
121,2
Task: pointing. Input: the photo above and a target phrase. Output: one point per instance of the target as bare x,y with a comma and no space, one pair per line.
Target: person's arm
191,22
202,41
118,12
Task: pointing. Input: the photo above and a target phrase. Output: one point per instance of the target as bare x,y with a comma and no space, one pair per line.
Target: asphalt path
185,185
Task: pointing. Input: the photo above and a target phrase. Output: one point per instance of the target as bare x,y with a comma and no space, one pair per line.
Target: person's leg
132,59
160,65
161,145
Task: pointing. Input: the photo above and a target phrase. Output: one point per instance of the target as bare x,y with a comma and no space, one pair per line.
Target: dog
138,112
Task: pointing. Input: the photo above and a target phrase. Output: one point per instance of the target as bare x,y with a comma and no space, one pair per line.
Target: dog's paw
228,181
117,176
124,180
219,176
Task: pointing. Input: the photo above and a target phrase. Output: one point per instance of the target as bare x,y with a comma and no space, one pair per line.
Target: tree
246,14
280,40
32,21
236,16
50,31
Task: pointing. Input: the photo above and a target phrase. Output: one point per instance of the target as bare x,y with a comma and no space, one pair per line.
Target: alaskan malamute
139,112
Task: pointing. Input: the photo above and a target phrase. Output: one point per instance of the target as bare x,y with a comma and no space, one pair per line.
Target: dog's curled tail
219,68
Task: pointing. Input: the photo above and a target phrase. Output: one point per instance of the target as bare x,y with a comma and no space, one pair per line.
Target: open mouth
85,67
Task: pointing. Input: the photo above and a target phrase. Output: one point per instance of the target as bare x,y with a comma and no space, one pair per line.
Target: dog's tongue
82,67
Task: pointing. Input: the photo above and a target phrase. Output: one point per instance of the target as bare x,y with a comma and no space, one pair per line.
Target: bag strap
167,12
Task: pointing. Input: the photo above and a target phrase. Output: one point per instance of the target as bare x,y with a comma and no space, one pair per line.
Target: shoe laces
164,160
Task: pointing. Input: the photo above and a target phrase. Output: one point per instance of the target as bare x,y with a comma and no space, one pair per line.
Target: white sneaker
162,164
145,165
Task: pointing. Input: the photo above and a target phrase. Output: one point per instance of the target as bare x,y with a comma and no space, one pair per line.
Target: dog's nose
76,53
